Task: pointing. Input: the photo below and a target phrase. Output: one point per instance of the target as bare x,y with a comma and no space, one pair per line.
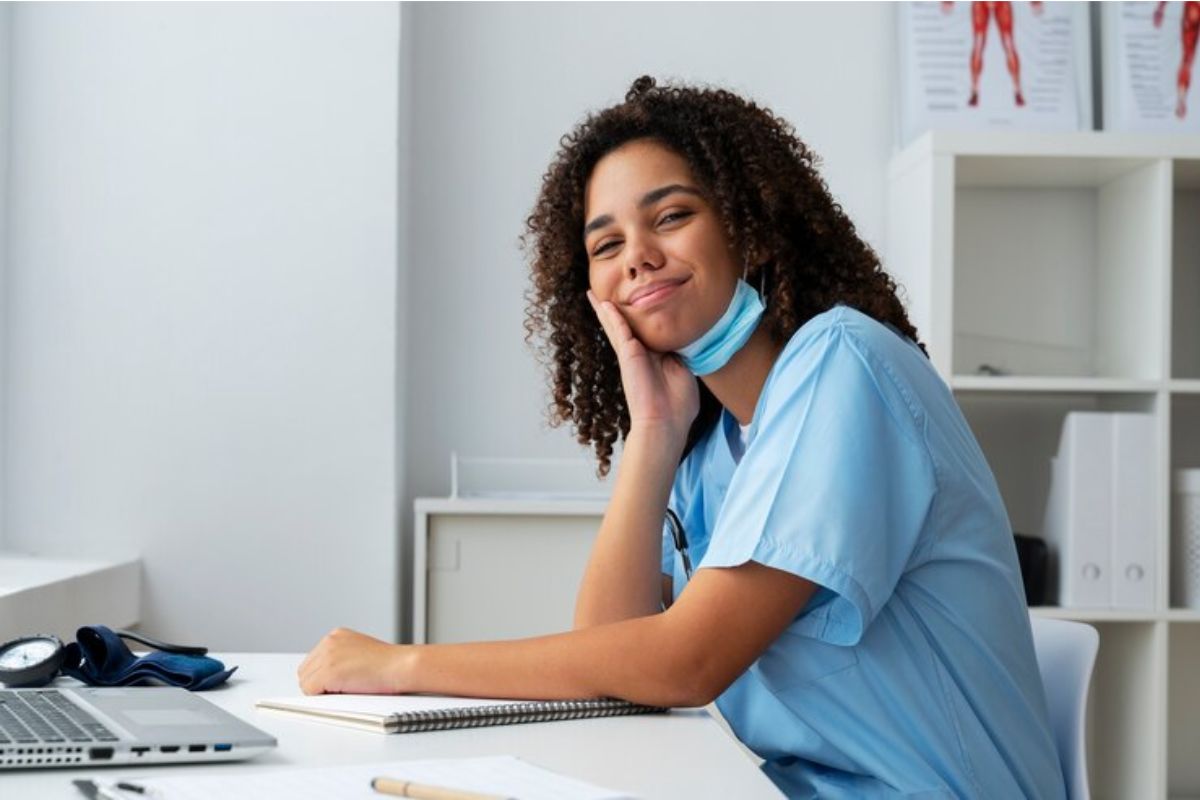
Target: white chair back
1066,653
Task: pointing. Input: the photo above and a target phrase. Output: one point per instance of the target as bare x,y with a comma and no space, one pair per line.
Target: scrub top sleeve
835,486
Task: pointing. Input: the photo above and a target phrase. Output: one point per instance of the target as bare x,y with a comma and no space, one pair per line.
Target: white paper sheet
506,776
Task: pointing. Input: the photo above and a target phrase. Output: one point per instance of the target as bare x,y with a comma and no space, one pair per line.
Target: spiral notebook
416,713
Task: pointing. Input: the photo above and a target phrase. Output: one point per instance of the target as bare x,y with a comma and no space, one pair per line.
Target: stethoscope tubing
681,543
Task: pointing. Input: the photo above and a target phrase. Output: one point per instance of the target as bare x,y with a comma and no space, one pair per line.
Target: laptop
85,726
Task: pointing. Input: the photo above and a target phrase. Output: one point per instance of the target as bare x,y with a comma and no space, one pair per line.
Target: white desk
683,754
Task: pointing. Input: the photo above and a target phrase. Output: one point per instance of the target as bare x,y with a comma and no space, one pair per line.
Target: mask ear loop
762,274
762,280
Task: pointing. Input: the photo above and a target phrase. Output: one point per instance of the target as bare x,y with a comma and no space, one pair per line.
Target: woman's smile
656,292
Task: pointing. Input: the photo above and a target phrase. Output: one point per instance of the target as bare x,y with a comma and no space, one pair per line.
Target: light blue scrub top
911,672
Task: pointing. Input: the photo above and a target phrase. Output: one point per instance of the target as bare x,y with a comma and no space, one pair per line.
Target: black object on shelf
1032,555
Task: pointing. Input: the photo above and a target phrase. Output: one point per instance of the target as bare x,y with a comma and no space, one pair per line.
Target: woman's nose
642,256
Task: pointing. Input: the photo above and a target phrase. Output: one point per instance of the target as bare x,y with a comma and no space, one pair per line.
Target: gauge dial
30,660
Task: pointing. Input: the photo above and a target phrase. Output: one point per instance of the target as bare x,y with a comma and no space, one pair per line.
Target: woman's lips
657,294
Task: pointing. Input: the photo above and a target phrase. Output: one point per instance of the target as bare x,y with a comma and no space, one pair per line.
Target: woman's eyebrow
649,198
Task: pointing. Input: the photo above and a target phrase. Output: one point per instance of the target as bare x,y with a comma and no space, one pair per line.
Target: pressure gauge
30,660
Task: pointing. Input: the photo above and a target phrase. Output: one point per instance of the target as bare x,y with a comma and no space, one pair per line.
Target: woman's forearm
623,576
638,660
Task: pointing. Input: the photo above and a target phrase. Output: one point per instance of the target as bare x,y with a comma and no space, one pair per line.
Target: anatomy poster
1149,54
994,65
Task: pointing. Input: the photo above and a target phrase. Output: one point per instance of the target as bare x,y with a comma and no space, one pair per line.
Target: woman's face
656,248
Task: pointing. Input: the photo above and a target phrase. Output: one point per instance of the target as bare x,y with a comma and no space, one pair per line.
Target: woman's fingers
615,326
603,315
656,387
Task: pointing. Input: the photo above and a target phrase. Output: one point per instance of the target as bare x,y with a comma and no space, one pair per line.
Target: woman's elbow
697,696
699,677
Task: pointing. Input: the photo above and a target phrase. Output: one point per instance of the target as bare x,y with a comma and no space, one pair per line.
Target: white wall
202,321
498,84
264,273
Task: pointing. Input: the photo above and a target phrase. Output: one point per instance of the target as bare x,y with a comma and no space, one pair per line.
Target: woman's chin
663,344
663,339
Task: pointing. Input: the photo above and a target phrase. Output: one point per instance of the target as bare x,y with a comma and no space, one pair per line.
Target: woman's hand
659,389
349,662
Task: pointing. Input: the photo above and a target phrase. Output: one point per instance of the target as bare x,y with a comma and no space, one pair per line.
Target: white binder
1077,526
1134,535
1100,519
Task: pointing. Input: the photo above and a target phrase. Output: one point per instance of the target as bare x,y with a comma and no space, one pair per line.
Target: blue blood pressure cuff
99,657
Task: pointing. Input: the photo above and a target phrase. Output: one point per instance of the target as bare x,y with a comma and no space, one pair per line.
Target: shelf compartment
1183,712
1042,172
1185,454
1185,271
1185,425
1124,707
1059,268
1019,434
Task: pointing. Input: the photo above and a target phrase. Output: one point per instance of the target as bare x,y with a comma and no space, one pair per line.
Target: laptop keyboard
45,715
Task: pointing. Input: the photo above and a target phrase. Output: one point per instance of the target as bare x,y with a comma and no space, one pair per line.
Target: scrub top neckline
727,449
752,430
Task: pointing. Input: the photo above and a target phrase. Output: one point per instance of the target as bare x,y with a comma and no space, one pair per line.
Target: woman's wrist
650,457
404,671
660,435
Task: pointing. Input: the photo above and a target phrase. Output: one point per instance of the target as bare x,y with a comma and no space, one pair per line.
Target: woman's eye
674,216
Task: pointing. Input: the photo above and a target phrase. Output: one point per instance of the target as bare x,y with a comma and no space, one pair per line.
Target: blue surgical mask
714,349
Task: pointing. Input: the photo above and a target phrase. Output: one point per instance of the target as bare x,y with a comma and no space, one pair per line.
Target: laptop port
197,748
169,748
100,753
140,750
222,748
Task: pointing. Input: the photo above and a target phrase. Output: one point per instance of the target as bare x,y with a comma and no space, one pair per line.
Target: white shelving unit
1055,272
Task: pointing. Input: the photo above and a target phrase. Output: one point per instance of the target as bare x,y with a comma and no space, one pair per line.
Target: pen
97,790
423,791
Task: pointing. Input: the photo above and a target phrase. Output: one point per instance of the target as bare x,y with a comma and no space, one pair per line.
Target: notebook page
380,705
507,776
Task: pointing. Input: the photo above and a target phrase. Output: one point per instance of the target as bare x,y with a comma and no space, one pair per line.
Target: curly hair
776,210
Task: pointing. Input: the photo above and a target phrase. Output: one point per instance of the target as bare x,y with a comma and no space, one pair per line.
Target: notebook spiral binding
513,713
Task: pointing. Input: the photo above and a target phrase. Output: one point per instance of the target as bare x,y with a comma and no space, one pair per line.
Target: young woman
837,569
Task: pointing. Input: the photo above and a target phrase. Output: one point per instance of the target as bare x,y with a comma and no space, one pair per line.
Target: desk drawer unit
487,569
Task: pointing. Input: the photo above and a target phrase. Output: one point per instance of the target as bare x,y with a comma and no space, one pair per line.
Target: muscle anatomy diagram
981,14
1189,31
